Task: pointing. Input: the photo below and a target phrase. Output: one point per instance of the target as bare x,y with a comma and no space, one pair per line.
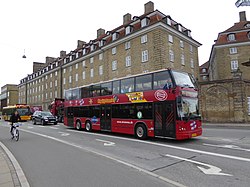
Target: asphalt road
60,156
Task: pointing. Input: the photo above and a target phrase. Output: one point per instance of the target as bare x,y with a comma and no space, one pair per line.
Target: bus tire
141,131
78,125
88,126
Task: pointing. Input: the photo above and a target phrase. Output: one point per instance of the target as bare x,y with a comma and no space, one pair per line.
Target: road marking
209,169
54,128
21,176
235,147
168,146
106,143
109,157
29,127
64,133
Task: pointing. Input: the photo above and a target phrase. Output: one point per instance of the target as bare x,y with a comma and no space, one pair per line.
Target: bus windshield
188,108
184,79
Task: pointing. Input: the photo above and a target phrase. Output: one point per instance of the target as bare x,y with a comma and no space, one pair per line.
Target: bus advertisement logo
136,97
161,95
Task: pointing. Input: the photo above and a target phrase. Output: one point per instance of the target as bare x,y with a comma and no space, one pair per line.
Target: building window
115,36
204,77
114,65
83,75
145,22
128,29
144,39
70,68
84,51
171,55
191,48
231,37
100,56
91,60
113,50
50,85
144,56
170,38
76,66
55,83
127,45
55,75
83,64
182,59
55,94
233,50
101,70
192,63
181,44
234,65
64,70
64,80
76,77
128,61
204,70
51,75
70,79
91,72
248,35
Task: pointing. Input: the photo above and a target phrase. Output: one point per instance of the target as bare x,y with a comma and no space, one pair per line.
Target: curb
16,171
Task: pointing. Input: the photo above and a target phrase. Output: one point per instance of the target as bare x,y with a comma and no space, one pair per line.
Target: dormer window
135,18
101,43
248,35
92,47
231,37
115,36
178,27
145,22
247,25
169,20
84,51
77,54
128,29
204,70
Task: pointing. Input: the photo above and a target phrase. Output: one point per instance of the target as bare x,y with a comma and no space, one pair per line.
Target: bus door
70,116
164,118
105,118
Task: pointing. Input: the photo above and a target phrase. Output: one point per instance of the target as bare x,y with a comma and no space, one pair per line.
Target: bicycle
15,131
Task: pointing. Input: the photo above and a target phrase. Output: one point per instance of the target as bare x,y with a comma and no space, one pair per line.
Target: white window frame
233,50
70,79
113,50
101,70
83,75
128,61
171,55
231,37
100,56
170,38
77,66
182,59
144,39
127,45
114,65
144,56
145,22
91,60
76,77
91,72
234,65
64,80
181,44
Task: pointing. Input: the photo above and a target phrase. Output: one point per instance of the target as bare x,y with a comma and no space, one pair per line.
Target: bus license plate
194,134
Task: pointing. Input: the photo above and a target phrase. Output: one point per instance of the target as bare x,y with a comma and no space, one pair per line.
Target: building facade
224,83
9,95
142,44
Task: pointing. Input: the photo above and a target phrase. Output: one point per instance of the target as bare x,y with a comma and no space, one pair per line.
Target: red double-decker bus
157,104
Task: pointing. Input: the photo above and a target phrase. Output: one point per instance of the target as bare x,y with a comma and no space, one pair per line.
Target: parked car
43,117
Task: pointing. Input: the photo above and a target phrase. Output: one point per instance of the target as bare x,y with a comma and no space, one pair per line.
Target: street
55,155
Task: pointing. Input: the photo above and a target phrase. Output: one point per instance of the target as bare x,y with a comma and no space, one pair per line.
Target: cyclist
15,117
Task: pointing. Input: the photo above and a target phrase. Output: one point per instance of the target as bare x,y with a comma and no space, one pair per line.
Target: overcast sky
45,27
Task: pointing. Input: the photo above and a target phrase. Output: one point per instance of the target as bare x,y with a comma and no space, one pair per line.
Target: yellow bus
23,110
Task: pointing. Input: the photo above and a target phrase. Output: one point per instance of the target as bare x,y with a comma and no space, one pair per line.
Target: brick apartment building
141,44
224,80
9,95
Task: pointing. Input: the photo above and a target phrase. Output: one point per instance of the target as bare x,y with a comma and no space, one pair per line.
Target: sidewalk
8,175
226,125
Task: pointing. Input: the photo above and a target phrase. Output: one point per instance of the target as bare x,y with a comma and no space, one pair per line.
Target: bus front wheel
78,125
88,126
141,131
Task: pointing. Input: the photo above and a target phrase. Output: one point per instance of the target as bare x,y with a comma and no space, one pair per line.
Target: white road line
111,158
235,147
54,128
21,176
169,146
106,143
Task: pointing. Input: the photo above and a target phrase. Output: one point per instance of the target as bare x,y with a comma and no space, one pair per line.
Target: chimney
100,32
148,7
126,18
62,54
243,16
49,60
80,44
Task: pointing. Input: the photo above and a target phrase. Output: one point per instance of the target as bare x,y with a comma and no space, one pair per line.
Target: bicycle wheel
17,135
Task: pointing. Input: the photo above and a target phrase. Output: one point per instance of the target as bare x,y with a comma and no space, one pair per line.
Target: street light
242,3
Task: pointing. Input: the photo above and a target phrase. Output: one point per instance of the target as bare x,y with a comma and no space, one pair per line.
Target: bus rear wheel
141,132
88,126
